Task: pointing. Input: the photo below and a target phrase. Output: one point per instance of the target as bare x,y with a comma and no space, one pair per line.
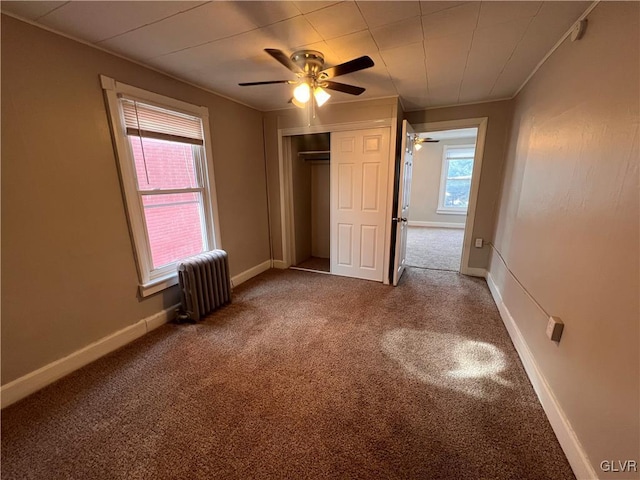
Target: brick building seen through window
173,221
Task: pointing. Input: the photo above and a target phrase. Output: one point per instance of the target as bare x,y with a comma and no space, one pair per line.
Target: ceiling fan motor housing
311,61
308,66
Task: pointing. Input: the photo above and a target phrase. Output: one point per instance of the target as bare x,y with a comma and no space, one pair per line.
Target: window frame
154,280
444,168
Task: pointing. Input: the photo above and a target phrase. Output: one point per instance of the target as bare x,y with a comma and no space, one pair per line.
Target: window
163,146
455,180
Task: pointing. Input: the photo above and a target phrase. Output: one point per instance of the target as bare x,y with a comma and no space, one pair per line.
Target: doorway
480,125
443,164
359,159
310,179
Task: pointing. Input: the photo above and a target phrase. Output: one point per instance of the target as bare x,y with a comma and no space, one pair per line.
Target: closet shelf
315,155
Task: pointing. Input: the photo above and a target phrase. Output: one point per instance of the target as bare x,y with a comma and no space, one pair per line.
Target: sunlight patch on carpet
448,361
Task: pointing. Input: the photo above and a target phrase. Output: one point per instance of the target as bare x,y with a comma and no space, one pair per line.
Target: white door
404,193
359,176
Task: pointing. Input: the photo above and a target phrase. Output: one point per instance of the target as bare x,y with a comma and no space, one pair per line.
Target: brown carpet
316,263
435,248
302,376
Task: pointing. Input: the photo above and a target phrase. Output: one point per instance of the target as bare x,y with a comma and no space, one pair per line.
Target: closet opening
310,179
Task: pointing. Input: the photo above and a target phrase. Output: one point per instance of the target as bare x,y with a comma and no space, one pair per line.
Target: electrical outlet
554,328
479,242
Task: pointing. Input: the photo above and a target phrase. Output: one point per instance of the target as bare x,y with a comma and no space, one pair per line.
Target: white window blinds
465,152
150,121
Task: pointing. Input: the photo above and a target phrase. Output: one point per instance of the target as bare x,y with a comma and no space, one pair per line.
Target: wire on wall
513,275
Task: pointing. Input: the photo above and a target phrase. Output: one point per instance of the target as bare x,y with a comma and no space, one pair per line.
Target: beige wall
499,115
321,209
568,229
425,182
68,271
301,180
331,113
310,194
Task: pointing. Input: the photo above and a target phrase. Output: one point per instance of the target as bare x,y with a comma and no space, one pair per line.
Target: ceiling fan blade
248,84
343,87
280,56
351,66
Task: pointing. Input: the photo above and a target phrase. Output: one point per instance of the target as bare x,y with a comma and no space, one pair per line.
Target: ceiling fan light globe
302,93
321,96
297,103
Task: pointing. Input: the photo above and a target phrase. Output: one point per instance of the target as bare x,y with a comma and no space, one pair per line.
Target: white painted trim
128,59
210,207
404,169
250,273
286,185
396,124
109,83
481,124
336,127
208,90
450,125
445,211
40,378
416,223
158,285
444,167
152,280
279,264
287,228
584,15
556,46
453,105
158,319
475,272
567,437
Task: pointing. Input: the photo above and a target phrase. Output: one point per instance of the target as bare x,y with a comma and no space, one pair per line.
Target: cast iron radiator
204,283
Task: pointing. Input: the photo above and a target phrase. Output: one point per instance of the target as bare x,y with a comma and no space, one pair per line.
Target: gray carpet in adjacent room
302,376
436,248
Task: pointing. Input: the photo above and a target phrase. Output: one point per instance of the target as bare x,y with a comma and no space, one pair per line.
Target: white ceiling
429,53
450,134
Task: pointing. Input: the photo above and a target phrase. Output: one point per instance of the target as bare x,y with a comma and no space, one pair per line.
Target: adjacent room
440,192
299,239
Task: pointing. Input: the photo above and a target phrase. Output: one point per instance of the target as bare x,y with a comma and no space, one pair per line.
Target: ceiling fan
313,77
418,141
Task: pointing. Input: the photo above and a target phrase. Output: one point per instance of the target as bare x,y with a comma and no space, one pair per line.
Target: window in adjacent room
163,147
455,180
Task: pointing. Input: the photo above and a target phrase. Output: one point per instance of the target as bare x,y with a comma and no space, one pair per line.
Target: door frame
481,124
286,180
407,147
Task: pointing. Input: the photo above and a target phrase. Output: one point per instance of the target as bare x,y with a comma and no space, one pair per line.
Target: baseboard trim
414,223
475,272
567,437
160,318
252,272
40,378
279,264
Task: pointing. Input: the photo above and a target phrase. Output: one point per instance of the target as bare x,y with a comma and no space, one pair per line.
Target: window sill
158,284
444,211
